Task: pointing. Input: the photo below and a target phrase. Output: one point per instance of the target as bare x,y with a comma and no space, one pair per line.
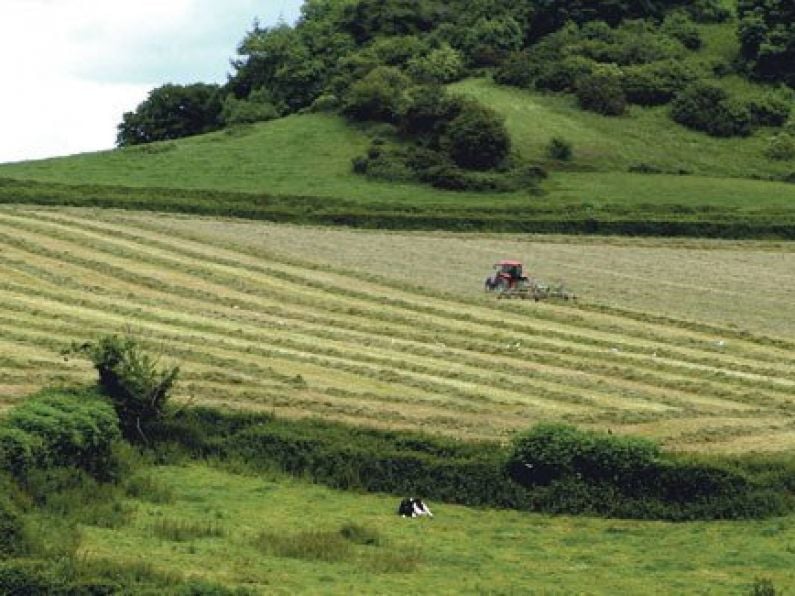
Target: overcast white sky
71,68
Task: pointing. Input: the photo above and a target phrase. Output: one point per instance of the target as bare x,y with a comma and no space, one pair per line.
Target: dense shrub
429,111
398,51
708,108
476,138
770,110
634,42
681,28
172,112
328,102
256,108
131,379
65,430
767,38
490,39
442,65
13,539
781,147
516,70
553,451
19,450
379,96
560,149
656,83
602,92
708,11
565,74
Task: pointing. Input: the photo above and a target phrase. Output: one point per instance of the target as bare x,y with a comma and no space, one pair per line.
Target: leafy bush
18,450
780,147
656,83
328,102
172,112
553,451
516,70
770,110
13,539
602,92
565,74
398,51
708,108
559,148
476,138
679,26
130,377
708,11
487,41
442,65
429,111
379,96
256,108
767,38
388,166
63,430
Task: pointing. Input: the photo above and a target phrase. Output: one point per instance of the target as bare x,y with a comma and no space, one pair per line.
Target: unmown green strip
570,218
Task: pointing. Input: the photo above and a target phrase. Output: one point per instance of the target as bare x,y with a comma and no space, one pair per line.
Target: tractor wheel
502,286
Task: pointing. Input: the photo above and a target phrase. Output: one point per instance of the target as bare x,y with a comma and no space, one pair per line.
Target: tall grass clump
182,530
358,534
312,545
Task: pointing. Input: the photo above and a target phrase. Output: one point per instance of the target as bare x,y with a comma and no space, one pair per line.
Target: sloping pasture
253,328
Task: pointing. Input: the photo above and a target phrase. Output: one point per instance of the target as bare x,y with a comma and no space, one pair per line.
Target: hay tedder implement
509,281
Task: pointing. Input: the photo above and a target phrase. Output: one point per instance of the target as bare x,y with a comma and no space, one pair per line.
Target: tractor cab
510,281
508,275
509,269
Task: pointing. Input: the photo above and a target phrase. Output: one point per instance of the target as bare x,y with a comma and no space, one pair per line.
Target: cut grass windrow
265,331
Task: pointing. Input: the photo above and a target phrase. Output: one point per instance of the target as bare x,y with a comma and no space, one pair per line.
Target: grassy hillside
299,168
605,144
259,329
282,536
310,155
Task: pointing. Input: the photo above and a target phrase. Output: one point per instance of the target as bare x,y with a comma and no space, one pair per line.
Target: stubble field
687,342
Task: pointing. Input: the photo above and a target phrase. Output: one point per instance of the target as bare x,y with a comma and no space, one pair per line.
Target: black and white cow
413,507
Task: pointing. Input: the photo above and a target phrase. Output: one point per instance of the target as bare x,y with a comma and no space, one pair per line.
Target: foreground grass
279,535
305,334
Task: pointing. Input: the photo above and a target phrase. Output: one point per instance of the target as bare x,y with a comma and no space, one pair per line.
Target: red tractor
508,277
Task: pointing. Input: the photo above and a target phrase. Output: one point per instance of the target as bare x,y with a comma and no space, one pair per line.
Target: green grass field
281,536
263,324
310,155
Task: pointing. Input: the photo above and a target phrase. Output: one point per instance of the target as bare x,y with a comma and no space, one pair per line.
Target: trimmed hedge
553,468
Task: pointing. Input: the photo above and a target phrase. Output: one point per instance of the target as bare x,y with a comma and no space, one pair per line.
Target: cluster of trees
449,141
639,62
363,57
767,38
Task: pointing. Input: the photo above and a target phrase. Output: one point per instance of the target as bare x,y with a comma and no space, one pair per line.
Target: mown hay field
393,330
